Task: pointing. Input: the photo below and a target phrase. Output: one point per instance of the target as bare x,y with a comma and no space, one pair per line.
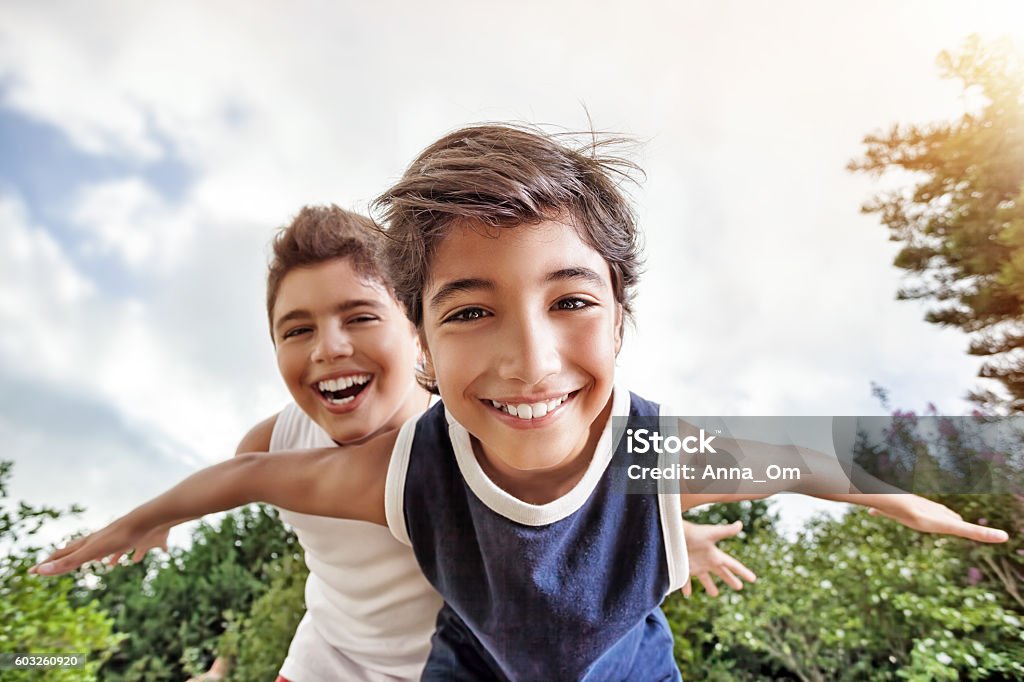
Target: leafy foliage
962,224
172,608
864,598
36,615
858,598
937,459
258,642
697,648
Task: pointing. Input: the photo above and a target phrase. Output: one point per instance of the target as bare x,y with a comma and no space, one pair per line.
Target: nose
331,343
529,350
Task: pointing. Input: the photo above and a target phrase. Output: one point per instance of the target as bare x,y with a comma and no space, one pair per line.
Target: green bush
36,614
171,608
257,643
858,598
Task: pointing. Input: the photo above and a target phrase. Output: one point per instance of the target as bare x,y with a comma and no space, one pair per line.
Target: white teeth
341,401
530,410
342,383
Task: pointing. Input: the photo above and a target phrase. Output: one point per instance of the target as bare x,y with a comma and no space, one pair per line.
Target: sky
149,150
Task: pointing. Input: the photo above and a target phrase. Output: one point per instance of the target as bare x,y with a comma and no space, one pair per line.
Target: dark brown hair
502,176
319,234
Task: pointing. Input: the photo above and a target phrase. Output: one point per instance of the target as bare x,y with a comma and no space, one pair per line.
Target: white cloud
128,218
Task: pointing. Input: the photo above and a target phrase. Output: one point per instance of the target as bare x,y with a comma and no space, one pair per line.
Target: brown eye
467,315
572,303
295,332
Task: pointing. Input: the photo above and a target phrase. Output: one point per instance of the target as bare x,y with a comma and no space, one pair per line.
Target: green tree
36,615
961,225
257,642
173,608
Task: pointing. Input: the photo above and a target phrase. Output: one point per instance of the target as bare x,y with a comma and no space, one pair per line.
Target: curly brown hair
504,175
319,234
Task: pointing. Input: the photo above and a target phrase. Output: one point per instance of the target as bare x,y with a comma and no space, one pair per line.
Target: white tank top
370,613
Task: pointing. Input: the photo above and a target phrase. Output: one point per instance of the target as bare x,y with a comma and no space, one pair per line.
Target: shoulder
638,406
258,437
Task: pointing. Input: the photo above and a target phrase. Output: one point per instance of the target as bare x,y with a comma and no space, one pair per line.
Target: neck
417,401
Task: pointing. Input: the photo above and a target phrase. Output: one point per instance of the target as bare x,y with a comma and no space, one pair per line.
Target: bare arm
257,439
340,482
828,480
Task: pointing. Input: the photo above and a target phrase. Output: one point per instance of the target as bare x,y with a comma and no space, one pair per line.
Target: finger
721,532
113,559
62,565
973,531
65,550
55,556
737,567
874,512
139,555
687,589
729,578
709,584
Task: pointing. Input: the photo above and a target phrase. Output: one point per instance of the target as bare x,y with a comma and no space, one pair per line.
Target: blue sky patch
41,166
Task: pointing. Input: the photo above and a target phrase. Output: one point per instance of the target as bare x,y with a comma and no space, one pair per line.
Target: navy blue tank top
576,597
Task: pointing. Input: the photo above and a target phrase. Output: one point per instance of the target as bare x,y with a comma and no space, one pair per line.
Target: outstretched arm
340,482
824,477
922,514
257,439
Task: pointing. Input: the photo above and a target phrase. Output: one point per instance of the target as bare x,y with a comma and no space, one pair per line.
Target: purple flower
973,576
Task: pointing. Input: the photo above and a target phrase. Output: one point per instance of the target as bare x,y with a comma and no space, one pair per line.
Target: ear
424,364
420,345
618,328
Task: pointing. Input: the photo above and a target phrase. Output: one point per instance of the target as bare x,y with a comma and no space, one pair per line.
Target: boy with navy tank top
515,257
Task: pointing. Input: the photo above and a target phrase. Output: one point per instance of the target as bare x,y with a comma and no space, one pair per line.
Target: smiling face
345,350
522,330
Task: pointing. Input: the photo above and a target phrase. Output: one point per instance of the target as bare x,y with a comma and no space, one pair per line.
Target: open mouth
532,411
343,390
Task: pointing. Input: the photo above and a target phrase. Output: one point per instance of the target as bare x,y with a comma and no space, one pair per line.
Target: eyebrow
575,273
451,289
301,314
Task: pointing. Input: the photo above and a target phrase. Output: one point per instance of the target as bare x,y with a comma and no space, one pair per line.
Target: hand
927,516
110,543
706,558
156,539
